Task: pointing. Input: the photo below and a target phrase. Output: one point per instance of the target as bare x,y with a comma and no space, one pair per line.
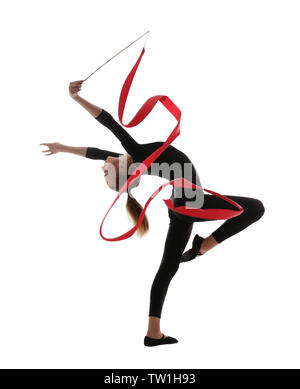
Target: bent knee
257,210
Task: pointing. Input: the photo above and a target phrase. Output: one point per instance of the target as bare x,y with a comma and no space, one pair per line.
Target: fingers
48,151
75,89
51,150
76,83
47,145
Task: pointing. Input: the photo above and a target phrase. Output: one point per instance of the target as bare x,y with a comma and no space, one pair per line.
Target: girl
171,164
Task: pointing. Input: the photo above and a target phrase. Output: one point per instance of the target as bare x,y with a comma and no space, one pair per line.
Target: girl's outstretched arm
55,147
88,152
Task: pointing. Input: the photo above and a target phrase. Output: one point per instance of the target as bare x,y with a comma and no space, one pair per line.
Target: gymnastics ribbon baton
213,214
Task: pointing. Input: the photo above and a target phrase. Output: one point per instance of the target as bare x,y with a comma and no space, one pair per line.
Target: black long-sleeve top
171,164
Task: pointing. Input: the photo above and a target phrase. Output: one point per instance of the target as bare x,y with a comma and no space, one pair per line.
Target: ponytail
134,210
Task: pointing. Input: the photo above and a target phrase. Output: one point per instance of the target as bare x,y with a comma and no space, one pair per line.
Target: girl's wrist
63,148
75,96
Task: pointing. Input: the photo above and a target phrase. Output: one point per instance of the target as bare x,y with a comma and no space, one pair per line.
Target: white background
70,299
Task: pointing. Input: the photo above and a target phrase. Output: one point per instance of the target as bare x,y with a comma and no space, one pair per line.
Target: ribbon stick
117,54
215,214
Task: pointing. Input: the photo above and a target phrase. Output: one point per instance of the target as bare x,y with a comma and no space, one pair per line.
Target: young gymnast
171,164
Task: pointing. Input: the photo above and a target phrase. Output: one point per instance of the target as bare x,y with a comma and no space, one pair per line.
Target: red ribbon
214,214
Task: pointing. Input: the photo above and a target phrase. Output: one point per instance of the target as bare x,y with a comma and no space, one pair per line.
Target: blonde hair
133,207
134,210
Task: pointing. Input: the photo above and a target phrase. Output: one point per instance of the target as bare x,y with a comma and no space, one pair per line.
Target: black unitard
180,226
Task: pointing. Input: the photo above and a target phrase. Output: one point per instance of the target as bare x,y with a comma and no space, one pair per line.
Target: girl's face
115,167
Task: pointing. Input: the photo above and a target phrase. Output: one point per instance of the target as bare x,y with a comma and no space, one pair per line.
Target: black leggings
180,228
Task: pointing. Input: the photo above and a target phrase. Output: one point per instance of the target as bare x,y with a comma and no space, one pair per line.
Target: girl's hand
75,87
53,148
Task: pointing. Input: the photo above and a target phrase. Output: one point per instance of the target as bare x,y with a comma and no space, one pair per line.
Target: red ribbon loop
215,214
